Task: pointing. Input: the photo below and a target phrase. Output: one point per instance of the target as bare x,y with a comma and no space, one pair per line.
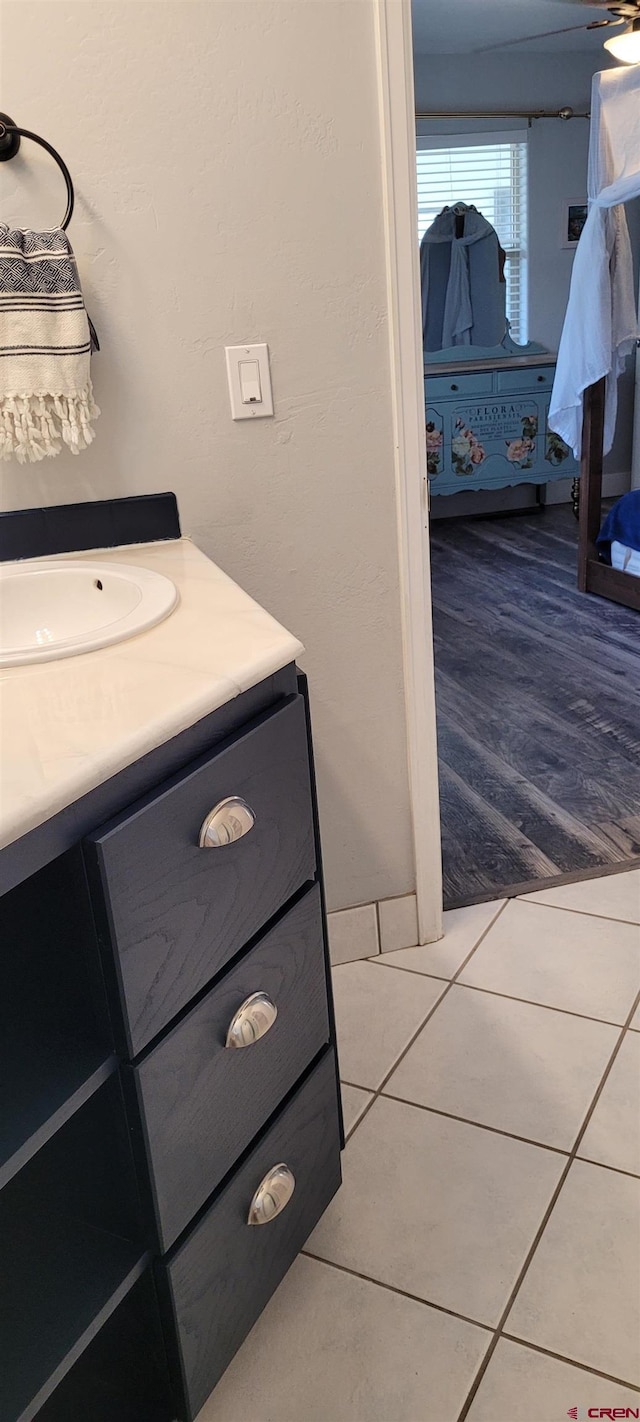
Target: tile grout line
499,1329
378,927
508,1135
582,913
493,992
546,1006
480,1125
602,1165
466,1318
574,1362
448,984
499,1332
484,1126
393,1289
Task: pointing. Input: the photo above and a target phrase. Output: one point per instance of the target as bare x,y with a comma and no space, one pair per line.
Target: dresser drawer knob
272,1195
541,379
455,387
253,1019
229,820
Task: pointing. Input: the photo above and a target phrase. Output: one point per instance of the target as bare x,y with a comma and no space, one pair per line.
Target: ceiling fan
625,46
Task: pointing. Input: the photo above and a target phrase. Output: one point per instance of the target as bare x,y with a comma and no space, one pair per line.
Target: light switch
249,380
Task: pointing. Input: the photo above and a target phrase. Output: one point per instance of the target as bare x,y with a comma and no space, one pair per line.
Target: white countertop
68,725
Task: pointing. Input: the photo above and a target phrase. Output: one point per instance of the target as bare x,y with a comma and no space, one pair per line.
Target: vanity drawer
203,1102
224,1273
477,383
171,913
527,380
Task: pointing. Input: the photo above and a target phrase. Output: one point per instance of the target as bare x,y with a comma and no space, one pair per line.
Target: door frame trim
400,201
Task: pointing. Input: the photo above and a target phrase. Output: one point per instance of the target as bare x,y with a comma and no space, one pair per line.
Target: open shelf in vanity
70,1245
122,1374
56,1045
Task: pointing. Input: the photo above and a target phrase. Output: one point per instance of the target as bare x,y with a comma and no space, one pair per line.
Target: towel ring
10,136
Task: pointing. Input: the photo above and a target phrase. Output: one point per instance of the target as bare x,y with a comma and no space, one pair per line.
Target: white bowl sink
59,609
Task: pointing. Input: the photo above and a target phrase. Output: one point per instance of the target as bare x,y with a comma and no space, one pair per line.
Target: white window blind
491,174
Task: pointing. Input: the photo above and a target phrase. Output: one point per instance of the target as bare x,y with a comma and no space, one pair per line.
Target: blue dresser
487,424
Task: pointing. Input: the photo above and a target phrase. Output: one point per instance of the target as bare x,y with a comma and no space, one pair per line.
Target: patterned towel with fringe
46,340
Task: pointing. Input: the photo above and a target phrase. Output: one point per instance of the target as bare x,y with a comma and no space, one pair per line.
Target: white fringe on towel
46,396
34,427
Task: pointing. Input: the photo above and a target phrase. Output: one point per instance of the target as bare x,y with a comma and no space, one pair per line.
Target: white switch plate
243,407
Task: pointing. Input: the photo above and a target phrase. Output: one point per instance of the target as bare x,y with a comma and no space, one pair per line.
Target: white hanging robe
600,326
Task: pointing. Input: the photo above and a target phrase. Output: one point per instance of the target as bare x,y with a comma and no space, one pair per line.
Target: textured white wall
227,172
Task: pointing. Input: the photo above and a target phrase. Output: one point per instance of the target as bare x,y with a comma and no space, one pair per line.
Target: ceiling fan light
626,47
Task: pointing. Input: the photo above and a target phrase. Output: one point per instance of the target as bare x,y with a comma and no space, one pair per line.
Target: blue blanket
622,525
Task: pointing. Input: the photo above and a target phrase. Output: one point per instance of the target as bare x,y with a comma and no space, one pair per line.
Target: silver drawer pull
272,1195
252,1020
225,822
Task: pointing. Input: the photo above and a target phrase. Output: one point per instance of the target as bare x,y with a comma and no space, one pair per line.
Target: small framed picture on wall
574,216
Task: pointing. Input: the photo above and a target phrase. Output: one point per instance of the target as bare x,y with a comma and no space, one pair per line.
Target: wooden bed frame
593,575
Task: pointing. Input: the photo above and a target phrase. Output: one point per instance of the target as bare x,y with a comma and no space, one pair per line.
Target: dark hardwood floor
538,697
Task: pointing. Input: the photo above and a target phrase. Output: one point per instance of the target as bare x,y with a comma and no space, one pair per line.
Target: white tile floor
482,1259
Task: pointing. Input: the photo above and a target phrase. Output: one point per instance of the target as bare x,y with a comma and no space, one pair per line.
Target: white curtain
601,326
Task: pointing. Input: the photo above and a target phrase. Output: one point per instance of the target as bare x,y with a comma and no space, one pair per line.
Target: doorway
539,763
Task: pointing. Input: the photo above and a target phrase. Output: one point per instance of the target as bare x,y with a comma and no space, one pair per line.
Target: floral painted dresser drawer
485,434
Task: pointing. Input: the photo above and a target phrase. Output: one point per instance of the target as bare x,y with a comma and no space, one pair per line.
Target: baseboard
369,929
389,924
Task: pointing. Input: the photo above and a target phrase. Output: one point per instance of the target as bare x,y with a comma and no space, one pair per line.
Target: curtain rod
565,113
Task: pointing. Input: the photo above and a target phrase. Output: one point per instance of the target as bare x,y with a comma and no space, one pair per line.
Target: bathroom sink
59,609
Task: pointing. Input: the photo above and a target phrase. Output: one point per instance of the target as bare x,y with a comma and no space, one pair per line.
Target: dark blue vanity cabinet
171,1126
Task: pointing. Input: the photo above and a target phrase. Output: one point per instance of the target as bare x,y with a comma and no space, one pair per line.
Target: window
490,171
